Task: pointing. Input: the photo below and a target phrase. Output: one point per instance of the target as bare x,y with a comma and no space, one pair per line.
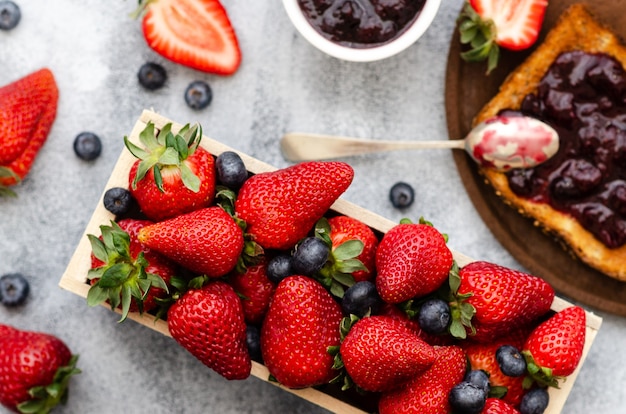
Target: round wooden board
468,88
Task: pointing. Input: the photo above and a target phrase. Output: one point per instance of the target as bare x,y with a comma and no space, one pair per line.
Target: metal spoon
501,142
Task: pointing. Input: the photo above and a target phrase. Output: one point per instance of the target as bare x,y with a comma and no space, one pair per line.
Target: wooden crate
74,277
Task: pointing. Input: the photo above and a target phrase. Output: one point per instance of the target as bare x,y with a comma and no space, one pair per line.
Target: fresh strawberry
498,406
554,349
380,353
28,109
491,300
255,290
412,260
206,241
193,33
301,324
428,392
346,228
487,25
483,356
124,272
173,174
209,323
35,370
282,206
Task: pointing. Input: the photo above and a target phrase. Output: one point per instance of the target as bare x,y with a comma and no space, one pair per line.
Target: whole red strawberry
428,392
412,260
206,241
483,356
500,299
29,363
555,347
282,206
193,33
497,406
345,228
173,174
255,290
301,324
125,272
380,353
209,323
28,109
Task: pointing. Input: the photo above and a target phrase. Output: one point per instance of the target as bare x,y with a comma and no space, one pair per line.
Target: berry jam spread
583,97
361,23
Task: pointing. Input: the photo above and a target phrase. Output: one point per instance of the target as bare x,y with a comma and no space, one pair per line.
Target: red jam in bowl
361,23
583,97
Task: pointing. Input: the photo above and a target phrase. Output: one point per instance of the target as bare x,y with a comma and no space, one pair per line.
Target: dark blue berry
118,200
231,171
361,298
511,361
434,316
479,378
10,15
87,146
253,340
310,256
466,398
534,401
198,95
401,195
14,289
152,76
279,267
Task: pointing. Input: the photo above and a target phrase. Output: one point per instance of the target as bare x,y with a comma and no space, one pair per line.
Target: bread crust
576,29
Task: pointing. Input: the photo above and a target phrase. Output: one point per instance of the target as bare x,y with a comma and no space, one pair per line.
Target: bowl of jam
361,30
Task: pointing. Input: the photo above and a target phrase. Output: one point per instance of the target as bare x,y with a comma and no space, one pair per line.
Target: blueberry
10,15
434,316
534,401
152,76
253,341
310,256
361,298
231,171
14,289
511,361
198,95
466,398
118,200
87,146
279,267
479,378
401,195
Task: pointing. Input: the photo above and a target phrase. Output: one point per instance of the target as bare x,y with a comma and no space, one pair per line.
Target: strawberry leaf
45,398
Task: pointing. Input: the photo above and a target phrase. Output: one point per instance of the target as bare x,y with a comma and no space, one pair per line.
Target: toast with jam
575,81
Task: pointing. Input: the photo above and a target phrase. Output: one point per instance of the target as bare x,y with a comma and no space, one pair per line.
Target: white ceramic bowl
406,39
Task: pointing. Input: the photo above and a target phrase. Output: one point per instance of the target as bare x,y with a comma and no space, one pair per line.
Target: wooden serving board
74,278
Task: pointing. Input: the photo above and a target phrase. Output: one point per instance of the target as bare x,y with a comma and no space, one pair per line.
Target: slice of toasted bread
576,29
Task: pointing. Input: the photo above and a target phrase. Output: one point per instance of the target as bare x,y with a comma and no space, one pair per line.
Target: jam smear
361,23
583,97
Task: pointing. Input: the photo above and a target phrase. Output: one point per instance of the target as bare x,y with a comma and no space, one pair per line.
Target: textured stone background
95,49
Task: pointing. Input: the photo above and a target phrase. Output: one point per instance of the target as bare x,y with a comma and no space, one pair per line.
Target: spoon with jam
501,142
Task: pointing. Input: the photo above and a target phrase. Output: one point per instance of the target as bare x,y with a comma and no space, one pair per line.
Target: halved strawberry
487,25
193,33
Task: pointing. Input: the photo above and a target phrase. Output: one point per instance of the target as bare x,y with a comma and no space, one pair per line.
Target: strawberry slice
193,33
487,25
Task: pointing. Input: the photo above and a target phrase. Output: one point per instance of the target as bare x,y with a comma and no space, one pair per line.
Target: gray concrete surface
284,84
